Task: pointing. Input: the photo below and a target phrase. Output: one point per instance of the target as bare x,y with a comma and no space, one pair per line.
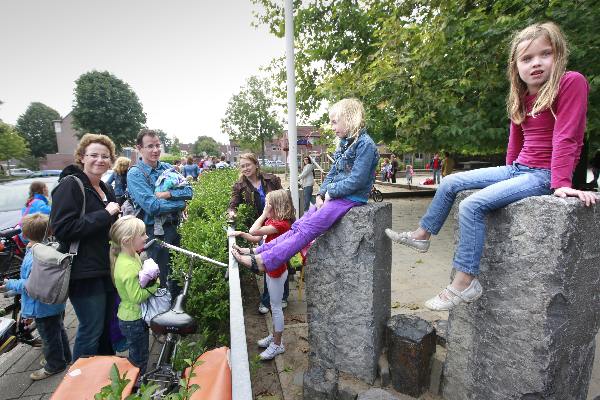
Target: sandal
470,294
239,249
254,264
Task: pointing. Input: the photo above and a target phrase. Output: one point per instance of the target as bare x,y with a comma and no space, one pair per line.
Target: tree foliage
431,73
36,126
165,140
13,144
175,148
105,104
250,118
208,145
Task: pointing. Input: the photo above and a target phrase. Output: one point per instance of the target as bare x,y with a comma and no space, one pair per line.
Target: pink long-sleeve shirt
553,143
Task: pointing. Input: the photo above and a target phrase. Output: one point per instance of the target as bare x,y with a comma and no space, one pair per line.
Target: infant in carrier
169,179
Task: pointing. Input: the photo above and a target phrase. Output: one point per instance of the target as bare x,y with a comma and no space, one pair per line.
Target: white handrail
241,387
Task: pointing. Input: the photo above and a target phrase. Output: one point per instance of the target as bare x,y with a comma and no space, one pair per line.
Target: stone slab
532,333
348,292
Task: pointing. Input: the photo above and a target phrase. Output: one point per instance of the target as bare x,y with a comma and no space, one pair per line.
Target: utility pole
291,102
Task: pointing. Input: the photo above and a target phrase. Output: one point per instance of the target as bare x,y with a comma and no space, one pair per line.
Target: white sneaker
272,351
265,342
455,297
283,303
406,239
262,309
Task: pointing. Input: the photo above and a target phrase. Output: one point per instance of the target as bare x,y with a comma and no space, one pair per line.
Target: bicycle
13,329
376,194
174,324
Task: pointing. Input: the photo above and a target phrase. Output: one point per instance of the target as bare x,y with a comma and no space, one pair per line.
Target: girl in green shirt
128,236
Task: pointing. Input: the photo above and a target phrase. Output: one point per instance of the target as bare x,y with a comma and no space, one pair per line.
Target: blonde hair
34,226
352,114
546,96
121,235
250,157
283,206
122,165
90,138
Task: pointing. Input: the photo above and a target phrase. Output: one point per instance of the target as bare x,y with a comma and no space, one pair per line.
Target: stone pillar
348,295
531,335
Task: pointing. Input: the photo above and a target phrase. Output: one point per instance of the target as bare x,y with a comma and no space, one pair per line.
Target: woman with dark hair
191,169
251,189
91,290
307,180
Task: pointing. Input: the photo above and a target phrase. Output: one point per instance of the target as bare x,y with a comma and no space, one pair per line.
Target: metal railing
241,387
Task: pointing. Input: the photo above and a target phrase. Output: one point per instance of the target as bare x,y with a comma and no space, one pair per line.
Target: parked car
20,172
45,172
13,196
277,163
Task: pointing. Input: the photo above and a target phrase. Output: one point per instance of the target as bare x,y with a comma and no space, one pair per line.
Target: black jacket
92,258
244,193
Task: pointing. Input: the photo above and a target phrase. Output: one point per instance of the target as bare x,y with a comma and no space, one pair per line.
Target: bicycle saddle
173,322
8,233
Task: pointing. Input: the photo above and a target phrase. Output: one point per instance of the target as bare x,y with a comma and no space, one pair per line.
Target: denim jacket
31,308
120,183
353,172
141,190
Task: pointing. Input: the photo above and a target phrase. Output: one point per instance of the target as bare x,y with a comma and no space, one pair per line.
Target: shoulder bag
51,269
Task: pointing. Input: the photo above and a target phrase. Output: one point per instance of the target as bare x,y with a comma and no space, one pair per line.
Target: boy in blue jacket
48,317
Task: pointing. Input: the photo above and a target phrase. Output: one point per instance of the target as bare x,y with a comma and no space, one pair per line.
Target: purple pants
312,224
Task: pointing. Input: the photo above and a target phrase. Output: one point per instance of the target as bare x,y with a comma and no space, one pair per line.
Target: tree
36,126
13,145
164,140
250,117
175,149
208,145
105,104
431,73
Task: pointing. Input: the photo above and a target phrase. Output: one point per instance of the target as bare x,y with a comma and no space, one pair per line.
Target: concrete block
348,293
532,333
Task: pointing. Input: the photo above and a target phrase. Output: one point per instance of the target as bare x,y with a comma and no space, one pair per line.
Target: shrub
205,233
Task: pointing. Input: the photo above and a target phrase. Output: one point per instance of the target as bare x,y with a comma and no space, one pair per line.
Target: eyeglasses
95,156
153,146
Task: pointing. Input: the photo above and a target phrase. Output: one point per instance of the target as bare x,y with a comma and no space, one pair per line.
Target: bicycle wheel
377,195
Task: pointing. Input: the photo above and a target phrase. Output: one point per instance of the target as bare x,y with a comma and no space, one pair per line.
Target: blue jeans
500,186
93,313
308,191
55,343
162,256
138,342
437,176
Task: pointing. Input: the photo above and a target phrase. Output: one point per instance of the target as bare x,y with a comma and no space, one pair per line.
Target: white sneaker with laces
272,351
262,309
265,342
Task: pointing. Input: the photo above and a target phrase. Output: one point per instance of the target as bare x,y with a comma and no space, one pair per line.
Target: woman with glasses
91,289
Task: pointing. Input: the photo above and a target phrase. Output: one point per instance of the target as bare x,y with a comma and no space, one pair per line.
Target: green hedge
204,233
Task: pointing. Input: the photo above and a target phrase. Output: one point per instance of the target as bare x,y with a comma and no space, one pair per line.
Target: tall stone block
348,297
531,335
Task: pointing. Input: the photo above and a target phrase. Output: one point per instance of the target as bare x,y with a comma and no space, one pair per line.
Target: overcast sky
183,58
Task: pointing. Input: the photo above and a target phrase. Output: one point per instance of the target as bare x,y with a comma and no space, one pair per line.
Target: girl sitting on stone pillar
347,185
547,107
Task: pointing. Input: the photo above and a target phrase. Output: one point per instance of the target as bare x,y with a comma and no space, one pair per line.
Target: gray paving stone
25,360
12,386
44,386
7,360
